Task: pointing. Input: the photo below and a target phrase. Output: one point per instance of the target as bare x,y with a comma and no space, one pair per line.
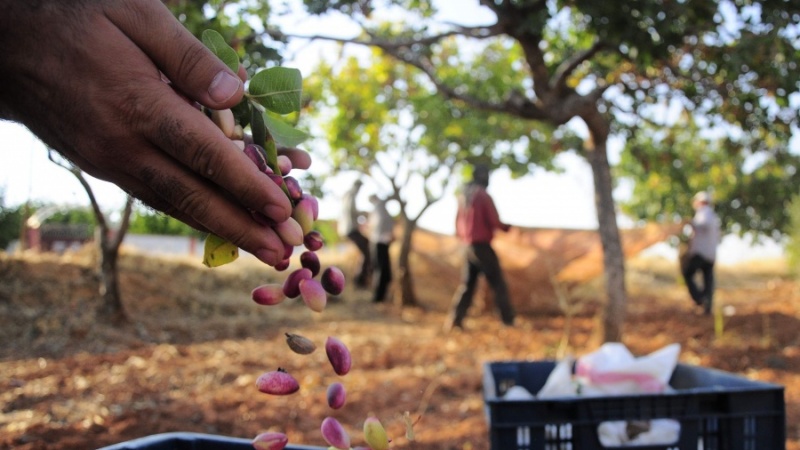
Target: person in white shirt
702,251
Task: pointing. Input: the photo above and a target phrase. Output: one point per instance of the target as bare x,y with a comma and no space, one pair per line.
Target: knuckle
131,110
171,132
170,196
248,194
205,159
238,238
200,153
190,61
193,203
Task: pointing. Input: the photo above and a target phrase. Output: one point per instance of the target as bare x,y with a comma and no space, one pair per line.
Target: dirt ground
196,343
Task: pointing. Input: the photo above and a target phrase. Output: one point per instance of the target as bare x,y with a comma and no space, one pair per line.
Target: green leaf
241,112
218,251
283,133
257,127
262,137
216,43
272,154
278,89
272,159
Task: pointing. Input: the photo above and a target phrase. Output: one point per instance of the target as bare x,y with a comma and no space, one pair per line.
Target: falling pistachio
277,382
314,296
375,434
338,355
336,395
270,441
334,433
300,344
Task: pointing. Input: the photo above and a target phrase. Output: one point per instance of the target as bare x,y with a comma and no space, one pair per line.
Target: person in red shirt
476,222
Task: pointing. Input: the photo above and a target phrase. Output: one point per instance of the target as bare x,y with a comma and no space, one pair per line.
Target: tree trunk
405,279
613,257
112,307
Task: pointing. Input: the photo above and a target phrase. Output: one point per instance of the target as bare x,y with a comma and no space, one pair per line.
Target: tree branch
478,32
123,226
74,170
514,104
569,65
403,51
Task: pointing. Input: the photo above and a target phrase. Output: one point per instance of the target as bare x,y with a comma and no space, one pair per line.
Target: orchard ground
196,343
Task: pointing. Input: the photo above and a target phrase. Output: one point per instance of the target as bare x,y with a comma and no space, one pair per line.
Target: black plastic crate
193,441
716,410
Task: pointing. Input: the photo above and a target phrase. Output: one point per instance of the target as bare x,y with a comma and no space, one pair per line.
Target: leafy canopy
627,69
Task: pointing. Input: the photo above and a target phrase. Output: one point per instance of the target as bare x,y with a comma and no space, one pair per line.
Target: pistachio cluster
277,90
295,231
310,283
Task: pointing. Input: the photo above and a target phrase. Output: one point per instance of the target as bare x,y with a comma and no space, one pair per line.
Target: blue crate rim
190,436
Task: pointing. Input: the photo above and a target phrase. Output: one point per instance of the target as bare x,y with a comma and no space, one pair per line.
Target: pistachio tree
383,119
109,241
605,65
751,183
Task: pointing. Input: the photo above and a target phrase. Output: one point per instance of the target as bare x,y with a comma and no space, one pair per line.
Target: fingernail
223,86
268,256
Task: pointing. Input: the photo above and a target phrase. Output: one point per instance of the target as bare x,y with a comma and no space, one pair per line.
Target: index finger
192,139
300,158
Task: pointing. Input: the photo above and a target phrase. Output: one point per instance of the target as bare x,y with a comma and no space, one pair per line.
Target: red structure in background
58,237
41,236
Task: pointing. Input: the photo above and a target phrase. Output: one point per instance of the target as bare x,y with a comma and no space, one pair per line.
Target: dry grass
196,343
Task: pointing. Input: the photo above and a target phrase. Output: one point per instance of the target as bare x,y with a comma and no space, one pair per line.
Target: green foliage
365,7
283,133
73,216
217,44
327,228
278,89
373,108
650,30
793,245
730,65
147,221
10,222
751,186
240,25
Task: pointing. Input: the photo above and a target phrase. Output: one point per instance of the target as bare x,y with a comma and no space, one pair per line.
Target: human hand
88,79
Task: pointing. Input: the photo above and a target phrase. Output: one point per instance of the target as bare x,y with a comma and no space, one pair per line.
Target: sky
539,200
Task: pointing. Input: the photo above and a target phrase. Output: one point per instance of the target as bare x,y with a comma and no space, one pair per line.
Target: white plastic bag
613,370
517,393
560,382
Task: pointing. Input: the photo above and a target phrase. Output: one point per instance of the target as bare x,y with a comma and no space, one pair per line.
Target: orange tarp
533,258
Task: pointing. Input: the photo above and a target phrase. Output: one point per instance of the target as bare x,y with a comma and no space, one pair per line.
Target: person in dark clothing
381,235
349,227
476,222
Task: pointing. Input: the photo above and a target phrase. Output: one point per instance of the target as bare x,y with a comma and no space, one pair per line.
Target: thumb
188,64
